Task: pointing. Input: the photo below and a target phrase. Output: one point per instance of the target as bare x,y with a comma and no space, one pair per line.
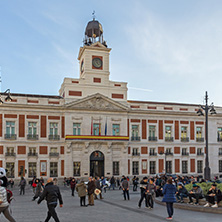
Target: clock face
97,62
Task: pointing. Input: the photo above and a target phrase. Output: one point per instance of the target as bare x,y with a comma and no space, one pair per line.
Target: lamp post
206,108
8,96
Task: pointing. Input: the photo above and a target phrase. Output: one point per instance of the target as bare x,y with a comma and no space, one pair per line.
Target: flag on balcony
91,126
106,127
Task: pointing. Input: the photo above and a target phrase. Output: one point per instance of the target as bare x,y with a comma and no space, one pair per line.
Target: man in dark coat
22,185
51,193
73,186
112,183
143,189
181,193
91,189
213,196
125,186
197,193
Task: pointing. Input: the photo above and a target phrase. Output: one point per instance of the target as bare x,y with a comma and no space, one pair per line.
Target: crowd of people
171,188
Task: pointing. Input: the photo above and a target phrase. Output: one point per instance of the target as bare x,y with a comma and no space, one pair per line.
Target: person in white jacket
4,205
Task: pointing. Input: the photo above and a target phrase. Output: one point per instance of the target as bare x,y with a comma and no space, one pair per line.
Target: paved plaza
112,208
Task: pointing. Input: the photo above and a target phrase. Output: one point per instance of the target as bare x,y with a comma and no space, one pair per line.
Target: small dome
94,29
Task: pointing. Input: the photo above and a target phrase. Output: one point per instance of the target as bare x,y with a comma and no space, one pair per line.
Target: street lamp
8,96
206,108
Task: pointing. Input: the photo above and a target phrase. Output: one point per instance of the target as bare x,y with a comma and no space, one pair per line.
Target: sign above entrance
117,138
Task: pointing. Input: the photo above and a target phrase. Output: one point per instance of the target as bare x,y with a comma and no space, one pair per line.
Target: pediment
97,102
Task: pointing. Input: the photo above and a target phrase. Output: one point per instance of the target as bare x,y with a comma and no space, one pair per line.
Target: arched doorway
97,164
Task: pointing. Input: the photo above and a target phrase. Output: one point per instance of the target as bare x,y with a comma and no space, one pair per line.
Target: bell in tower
94,32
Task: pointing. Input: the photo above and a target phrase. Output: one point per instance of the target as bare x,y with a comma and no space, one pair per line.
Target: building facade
91,128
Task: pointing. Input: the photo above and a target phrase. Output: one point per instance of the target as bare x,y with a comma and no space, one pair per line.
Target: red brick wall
63,127
177,150
62,150
144,130
129,150
21,125
128,166
21,150
62,167
10,116
75,93
144,150
160,129
192,150
54,117
43,150
192,130
32,117
144,171
117,96
43,126
160,149
177,134
1,150
0,125
177,165
1,163
192,165
161,165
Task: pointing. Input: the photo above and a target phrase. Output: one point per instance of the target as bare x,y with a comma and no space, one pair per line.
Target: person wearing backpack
4,204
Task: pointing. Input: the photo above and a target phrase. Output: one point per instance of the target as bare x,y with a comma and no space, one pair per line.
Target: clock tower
94,69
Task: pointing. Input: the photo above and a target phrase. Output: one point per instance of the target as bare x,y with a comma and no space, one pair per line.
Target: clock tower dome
94,69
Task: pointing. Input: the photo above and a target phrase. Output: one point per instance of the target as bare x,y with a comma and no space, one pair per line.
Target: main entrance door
97,164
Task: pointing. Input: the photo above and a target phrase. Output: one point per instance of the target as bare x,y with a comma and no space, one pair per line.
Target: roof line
33,95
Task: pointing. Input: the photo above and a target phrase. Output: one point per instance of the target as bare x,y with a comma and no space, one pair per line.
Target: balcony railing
152,138
32,154
10,136
32,137
135,154
53,154
185,139
200,154
54,137
135,138
169,153
169,139
185,154
10,154
200,139
219,139
153,154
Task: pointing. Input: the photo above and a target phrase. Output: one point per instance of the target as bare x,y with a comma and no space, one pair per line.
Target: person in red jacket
73,186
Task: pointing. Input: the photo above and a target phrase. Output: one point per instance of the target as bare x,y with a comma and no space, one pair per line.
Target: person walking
38,189
99,187
135,183
51,193
73,186
81,189
4,204
22,185
125,186
169,191
91,189
143,190
150,193
112,183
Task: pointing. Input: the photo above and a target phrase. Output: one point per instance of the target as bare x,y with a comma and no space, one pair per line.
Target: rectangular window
219,133
10,167
53,150
220,166
220,151
184,167
136,152
32,128
199,166
199,151
152,131
184,152
10,150
135,132
152,167
135,167
199,132
183,132
116,129
76,168
53,127
53,169
96,129
168,132
153,152
169,151
169,167
32,170
76,129
32,150
115,168
10,128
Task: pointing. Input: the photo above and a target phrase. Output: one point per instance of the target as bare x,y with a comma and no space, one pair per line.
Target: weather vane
93,14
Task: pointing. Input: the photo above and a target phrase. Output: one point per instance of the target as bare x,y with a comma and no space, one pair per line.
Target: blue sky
170,50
